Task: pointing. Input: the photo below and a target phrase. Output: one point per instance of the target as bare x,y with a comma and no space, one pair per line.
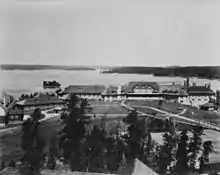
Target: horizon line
71,65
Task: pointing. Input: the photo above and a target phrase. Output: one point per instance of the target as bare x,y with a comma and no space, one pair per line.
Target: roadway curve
178,116
47,117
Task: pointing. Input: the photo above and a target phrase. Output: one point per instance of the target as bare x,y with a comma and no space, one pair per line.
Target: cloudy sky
110,32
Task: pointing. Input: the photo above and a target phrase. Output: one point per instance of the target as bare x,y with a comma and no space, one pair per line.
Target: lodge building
85,91
27,106
197,95
184,94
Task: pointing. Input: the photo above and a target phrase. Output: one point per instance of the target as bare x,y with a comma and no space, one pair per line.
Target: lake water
16,82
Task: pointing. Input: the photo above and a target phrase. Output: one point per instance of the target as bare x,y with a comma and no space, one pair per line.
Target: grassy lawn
102,107
207,116
10,142
166,106
191,112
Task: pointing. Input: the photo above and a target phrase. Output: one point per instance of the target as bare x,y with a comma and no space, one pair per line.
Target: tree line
97,150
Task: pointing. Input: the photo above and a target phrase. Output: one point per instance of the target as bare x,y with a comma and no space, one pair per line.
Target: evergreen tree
73,131
182,152
166,153
135,135
115,147
32,145
195,145
93,151
207,149
138,137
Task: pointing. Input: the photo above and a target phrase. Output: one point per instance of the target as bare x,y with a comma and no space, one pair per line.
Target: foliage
73,131
195,145
32,144
207,149
93,151
182,152
139,141
166,153
136,135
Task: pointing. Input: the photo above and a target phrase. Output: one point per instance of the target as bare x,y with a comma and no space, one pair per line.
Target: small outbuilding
207,107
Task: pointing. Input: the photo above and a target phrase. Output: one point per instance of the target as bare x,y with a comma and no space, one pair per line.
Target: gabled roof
83,89
132,84
197,89
40,100
67,172
208,105
136,168
111,90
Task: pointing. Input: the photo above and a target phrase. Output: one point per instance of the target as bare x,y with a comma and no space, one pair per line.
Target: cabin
207,107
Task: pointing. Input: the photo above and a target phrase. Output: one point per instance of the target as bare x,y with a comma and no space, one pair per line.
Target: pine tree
32,145
182,152
93,151
166,153
207,149
73,131
195,145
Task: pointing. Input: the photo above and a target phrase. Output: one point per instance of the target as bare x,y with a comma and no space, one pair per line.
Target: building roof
112,90
170,88
84,89
131,85
207,105
40,100
67,172
136,168
199,90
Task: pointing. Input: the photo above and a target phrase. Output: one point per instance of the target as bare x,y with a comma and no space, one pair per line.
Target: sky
110,32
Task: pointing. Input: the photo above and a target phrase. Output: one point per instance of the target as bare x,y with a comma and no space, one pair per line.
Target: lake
17,81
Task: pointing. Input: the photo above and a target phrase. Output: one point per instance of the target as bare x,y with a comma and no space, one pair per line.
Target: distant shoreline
202,72
12,67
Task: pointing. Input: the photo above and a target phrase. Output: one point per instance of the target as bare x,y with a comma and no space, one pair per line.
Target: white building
197,95
2,116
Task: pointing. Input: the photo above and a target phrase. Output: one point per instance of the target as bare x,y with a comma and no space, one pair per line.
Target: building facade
197,95
27,106
2,115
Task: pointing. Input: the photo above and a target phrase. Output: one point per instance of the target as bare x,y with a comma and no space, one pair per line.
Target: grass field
176,108
207,116
10,142
102,107
165,106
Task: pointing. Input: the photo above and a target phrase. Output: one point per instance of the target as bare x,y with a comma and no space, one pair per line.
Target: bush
12,164
2,166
